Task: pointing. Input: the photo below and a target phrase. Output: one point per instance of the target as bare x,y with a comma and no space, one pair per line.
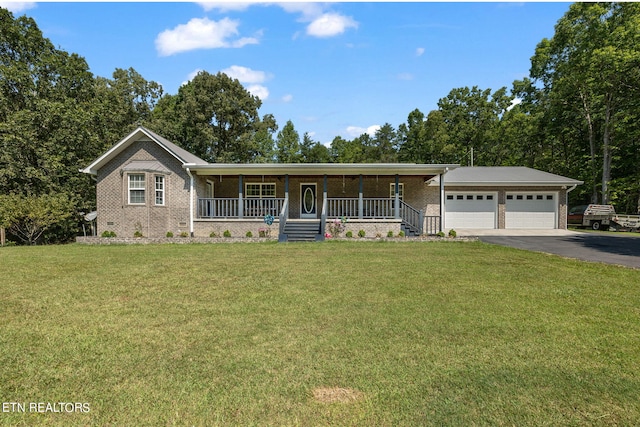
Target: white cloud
514,102
287,98
245,75
201,34
330,24
405,76
259,91
419,51
225,6
309,11
355,131
18,6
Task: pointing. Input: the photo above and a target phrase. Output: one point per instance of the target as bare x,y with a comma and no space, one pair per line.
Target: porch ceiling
319,169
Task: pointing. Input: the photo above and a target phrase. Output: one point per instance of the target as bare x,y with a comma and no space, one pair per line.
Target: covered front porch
379,197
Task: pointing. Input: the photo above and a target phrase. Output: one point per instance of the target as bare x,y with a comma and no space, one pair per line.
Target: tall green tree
288,144
472,117
263,147
312,151
212,116
385,144
346,151
56,118
591,67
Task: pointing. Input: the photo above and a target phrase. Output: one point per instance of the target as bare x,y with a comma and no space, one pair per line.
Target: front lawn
334,333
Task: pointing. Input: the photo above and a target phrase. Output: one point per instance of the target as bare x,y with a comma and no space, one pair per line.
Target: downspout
566,207
190,202
442,199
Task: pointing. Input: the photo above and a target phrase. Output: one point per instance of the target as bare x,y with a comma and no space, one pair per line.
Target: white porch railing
228,207
372,208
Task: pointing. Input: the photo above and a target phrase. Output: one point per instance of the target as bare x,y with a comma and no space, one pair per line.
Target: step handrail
323,218
282,219
412,216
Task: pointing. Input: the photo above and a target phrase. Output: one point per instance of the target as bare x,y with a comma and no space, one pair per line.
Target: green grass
430,333
607,232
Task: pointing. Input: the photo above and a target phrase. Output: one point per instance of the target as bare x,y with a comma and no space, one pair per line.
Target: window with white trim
260,190
392,190
159,190
136,189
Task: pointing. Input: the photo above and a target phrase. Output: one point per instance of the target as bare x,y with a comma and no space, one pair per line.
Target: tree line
576,114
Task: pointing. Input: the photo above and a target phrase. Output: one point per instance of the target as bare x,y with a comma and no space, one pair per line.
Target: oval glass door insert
309,201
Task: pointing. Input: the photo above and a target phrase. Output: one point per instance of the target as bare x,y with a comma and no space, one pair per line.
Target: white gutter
572,188
442,200
190,202
317,169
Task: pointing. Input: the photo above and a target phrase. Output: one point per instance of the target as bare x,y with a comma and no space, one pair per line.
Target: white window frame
160,191
131,188
261,190
392,190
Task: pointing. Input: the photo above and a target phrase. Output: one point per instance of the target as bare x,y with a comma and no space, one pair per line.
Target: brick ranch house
147,184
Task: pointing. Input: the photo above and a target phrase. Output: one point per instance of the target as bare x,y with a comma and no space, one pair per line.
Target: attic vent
182,224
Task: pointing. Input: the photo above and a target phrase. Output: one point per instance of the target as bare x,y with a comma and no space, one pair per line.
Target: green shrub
226,233
214,234
29,217
390,233
108,233
249,234
361,233
184,234
349,234
440,234
452,233
169,234
401,233
138,233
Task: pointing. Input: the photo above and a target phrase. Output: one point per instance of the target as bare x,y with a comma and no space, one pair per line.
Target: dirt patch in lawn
336,395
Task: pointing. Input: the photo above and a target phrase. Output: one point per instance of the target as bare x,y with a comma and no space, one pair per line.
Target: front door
308,201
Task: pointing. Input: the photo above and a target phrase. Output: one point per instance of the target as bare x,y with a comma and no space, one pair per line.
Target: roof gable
182,155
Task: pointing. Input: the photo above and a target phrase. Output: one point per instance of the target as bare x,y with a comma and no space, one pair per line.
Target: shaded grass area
428,333
606,232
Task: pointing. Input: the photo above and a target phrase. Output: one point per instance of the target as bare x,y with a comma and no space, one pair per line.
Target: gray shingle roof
180,152
504,175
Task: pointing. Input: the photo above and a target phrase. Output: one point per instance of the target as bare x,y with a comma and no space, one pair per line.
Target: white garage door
471,210
531,210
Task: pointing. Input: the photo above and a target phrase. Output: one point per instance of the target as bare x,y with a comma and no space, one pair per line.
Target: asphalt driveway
607,248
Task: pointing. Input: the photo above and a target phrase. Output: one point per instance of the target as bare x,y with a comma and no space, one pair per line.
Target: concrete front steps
301,230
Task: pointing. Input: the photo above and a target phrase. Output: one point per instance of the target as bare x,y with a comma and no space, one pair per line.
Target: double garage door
480,210
471,210
531,210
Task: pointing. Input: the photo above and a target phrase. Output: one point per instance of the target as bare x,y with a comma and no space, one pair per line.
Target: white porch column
324,187
442,201
360,198
396,213
191,187
240,198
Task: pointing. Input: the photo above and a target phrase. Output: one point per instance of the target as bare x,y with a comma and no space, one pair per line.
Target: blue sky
333,69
